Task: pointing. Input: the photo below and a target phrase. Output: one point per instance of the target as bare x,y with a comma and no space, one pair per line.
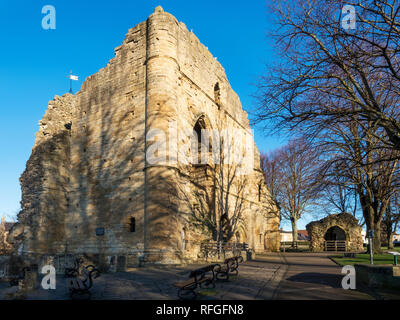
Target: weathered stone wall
347,222
45,182
107,154
88,170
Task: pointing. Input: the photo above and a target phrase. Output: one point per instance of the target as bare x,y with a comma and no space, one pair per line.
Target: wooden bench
199,278
79,287
230,267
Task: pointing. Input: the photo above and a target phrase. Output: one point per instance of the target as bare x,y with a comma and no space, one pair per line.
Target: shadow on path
327,279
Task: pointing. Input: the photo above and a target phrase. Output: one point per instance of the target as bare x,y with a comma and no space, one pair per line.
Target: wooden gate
335,245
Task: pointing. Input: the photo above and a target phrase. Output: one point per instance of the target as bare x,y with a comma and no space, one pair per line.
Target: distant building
302,235
287,236
364,236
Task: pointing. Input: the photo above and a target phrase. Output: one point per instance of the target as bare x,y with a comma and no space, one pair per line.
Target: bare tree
340,88
371,170
357,71
218,207
338,193
291,177
270,166
391,220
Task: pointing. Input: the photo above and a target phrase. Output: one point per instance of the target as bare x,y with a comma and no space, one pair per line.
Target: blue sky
34,62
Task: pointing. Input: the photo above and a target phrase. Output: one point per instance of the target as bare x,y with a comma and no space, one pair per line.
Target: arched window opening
132,225
200,143
197,129
259,192
217,95
237,237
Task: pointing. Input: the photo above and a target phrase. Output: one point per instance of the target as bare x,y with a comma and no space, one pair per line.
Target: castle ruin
89,187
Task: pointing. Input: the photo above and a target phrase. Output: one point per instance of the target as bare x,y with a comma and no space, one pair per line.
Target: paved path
313,276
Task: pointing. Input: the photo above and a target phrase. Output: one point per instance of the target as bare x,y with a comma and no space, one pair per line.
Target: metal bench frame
79,287
200,278
230,267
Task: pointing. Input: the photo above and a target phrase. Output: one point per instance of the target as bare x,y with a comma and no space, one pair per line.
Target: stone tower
89,186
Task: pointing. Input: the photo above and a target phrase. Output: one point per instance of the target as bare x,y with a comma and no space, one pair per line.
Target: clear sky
34,62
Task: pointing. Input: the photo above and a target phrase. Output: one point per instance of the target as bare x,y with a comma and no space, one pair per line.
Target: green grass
364,258
207,292
394,249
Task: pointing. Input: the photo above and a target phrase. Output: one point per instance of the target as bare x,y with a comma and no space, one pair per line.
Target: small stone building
337,232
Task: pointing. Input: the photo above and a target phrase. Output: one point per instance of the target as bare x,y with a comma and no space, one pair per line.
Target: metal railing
335,245
214,249
296,245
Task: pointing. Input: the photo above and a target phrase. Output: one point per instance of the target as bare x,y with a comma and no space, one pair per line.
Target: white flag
72,77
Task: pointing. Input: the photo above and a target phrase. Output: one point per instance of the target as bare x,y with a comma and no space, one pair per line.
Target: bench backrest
229,260
237,259
201,272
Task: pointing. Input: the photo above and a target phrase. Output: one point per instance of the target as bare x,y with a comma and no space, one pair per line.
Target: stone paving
257,279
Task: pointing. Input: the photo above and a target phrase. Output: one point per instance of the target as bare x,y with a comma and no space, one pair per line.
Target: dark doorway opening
335,234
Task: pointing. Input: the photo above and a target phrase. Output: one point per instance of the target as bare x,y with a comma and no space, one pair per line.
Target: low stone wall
378,276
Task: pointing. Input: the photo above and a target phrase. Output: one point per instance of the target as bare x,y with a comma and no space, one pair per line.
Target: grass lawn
385,258
207,292
364,258
394,249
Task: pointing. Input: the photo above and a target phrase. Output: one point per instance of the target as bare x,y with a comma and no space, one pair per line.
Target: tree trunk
372,223
389,237
377,238
294,232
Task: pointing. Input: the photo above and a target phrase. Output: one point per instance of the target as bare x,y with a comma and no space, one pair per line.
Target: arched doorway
201,144
335,239
335,233
240,235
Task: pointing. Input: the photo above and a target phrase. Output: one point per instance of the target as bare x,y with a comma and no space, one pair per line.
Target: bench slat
184,283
